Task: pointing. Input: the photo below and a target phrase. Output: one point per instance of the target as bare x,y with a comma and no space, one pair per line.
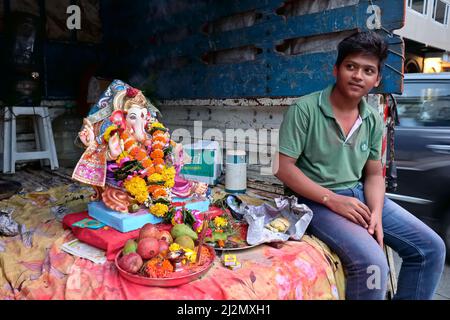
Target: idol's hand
114,147
86,135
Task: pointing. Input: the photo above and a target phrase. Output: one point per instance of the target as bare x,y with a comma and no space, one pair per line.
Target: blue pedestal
123,222
200,204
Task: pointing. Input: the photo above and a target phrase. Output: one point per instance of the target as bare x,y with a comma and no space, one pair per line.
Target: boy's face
357,75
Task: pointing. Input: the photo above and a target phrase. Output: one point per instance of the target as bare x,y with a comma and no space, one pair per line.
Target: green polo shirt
310,133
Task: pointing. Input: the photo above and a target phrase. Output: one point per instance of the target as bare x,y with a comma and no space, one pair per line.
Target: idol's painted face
357,75
136,120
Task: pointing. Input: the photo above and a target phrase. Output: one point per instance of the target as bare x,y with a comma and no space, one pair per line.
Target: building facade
427,36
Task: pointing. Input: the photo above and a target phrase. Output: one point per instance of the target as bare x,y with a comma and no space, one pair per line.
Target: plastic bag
257,217
8,227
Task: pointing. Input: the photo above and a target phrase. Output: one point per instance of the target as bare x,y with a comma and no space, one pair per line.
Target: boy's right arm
348,207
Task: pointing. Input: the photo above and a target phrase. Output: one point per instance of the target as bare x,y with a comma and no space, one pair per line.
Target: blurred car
422,150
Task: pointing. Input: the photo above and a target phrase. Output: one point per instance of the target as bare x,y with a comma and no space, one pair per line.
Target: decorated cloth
32,265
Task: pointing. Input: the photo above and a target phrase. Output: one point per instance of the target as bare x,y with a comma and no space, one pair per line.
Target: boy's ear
378,81
335,70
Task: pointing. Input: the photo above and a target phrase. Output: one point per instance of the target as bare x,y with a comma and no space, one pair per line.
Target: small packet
230,261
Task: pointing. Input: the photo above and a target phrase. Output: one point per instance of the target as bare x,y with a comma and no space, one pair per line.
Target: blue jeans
364,261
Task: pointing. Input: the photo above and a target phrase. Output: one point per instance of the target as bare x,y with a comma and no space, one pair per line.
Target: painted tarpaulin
32,265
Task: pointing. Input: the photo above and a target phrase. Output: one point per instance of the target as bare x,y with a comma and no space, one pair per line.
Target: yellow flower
159,209
174,247
220,222
168,173
155,177
137,187
169,183
107,133
191,255
157,125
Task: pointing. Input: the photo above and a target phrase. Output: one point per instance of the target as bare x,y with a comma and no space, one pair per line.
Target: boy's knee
436,250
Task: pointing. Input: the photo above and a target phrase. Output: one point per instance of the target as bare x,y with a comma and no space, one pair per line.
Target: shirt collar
325,105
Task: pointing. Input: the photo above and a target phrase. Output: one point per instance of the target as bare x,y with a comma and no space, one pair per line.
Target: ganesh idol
130,160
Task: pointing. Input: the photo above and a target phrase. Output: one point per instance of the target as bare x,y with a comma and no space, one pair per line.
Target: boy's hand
350,208
376,228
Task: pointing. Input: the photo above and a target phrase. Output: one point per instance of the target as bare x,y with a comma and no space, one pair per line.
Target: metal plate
236,249
182,278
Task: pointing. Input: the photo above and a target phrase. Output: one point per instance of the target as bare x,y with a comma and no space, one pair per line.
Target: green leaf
219,236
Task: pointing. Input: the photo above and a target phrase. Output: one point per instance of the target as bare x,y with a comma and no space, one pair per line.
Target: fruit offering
160,254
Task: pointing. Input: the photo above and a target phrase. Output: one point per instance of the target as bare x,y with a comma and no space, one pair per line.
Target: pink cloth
296,271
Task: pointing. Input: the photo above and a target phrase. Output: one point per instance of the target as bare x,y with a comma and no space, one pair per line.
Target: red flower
132,92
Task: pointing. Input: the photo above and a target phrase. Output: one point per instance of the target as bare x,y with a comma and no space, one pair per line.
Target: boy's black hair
368,43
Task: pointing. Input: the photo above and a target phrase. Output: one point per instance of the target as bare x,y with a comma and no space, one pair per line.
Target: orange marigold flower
160,192
128,144
141,155
150,170
147,163
158,145
124,136
152,188
134,152
157,154
158,161
158,133
160,139
167,266
159,168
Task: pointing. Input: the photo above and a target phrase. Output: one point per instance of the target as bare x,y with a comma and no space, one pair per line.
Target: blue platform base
200,204
123,222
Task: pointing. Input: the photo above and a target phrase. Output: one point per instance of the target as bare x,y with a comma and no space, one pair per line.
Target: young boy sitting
330,158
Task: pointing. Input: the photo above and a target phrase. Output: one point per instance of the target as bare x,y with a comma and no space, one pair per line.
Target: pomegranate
148,248
148,231
131,262
165,235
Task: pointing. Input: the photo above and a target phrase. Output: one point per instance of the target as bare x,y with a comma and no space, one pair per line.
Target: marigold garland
157,154
159,192
155,175
155,178
159,209
137,187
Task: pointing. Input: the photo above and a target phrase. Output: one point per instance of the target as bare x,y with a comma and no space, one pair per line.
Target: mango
130,246
185,242
181,229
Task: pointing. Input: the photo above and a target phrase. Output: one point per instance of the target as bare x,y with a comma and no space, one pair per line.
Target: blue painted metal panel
270,74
